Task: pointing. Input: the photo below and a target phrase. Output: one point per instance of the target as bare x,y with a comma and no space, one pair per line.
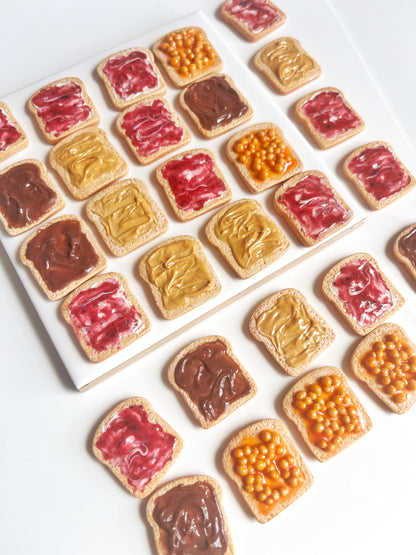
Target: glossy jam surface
363,292
151,127
134,444
256,15
329,114
61,107
379,172
407,246
191,519
193,181
8,132
315,206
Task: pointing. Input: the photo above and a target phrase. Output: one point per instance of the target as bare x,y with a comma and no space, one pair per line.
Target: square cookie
137,445
126,216
252,18
28,196
246,236
326,412
404,249
12,137
198,373
312,207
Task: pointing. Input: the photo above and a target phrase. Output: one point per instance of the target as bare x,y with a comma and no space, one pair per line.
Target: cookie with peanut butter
404,249
253,19
12,137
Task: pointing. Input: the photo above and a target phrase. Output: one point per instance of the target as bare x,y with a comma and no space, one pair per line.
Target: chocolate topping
407,246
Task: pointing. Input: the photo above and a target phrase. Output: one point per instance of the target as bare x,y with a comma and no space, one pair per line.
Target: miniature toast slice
254,19
404,249
12,137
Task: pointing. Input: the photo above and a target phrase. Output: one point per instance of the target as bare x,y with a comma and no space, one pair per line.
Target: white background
56,499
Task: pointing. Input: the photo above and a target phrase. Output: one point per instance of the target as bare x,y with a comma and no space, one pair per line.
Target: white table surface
56,498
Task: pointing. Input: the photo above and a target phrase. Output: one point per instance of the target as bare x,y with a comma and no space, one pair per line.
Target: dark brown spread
407,246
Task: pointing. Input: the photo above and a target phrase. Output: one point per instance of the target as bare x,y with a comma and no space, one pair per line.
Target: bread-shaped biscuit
267,468
378,174
215,105
326,411
62,107
328,117
246,236
137,445
245,151
291,330
312,207
28,196
130,76
187,55
361,292
254,19
386,361
179,275
202,527
404,249
286,65
199,373
12,137
105,315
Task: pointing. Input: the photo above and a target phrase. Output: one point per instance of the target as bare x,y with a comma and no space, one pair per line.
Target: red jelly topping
363,291
315,206
131,74
8,132
138,447
379,172
61,107
193,181
329,114
257,15
103,316
151,127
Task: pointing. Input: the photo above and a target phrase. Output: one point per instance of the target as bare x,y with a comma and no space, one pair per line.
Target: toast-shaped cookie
326,411
312,207
267,468
28,196
253,19
246,236
328,117
105,315
404,249
386,361
291,330
137,445
62,107
203,525
361,292
179,275
130,76
259,172
286,65
199,373
12,137
378,174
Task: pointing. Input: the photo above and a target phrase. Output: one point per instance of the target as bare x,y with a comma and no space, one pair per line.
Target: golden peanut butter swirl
251,236
293,331
179,272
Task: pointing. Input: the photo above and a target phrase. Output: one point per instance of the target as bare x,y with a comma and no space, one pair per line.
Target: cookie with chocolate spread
253,18
12,137
404,249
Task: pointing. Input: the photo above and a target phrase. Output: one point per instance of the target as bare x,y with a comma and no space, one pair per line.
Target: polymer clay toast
12,137
404,249
252,18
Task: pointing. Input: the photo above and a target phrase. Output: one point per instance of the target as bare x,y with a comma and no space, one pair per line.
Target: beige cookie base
242,28
187,215
114,247
290,412
153,418
220,129
93,355
55,295
399,256
254,185
313,73
277,353
21,142
234,405
372,202
252,430
92,120
57,205
120,103
291,219
177,80
362,374
321,141
160,535
101,180
331,294
226,250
